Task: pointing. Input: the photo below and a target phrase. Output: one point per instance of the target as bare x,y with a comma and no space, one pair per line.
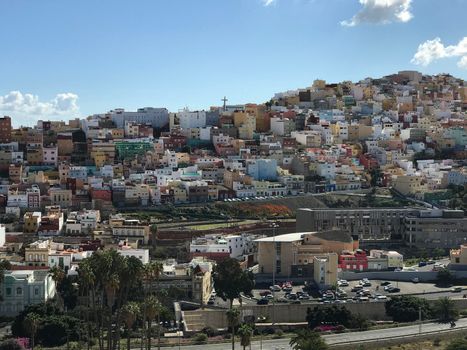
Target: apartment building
436,228
364,223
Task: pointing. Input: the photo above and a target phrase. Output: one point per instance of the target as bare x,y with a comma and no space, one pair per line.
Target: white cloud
27,108
463,63
268,2
432,50
381,12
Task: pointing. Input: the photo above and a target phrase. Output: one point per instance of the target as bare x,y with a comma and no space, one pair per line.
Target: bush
279,334
405,308
209,331
10,344
200,338
269,330
458,344
437,342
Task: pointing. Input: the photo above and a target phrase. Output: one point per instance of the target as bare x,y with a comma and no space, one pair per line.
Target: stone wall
287,313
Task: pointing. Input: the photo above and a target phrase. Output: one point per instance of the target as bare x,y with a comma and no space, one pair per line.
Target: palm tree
245,332
306,339
152,308
446,310
32,322
232,319
130,313
4,265
58,275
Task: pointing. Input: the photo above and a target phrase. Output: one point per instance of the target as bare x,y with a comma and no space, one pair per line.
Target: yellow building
32,221
129,229
61,197
459,256
263,122
409,184
239,118
295,252
325,269
247,129
37,254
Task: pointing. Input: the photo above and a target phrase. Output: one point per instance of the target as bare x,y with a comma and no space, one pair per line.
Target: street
342,338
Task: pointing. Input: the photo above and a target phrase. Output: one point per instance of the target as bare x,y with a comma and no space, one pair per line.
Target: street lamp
274,267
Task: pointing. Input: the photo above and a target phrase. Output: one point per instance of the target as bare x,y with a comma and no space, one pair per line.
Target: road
343,338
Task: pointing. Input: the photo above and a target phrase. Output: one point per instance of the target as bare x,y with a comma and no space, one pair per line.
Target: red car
264,293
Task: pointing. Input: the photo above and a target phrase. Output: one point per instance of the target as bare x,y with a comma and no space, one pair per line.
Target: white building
212,245
157,117
2,235
282,126
50,155
22,288
189,120
141,254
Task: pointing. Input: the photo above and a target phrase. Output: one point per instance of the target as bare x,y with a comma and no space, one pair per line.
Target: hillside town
318,196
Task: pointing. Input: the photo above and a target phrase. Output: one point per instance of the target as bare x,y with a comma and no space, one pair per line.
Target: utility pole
420,325
274,267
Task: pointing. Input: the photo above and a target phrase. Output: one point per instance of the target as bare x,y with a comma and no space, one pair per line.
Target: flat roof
288,237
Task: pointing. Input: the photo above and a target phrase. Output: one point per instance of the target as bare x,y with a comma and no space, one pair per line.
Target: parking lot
373,291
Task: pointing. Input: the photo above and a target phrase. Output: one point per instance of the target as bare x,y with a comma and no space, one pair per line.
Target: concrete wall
423,276
287,313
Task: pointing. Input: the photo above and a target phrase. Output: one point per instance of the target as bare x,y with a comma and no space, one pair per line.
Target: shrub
200,338
405,308
10,344
278,334
209,331
437,342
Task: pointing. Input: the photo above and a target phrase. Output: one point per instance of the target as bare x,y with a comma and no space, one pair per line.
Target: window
8,291
19,291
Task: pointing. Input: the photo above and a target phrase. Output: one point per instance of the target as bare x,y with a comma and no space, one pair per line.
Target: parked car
422,263
394,290
264,293
275,288
262,301
381,297
415,280
385,283
342,283
356,288
456,289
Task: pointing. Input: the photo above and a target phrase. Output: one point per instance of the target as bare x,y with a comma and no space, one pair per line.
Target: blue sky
66,58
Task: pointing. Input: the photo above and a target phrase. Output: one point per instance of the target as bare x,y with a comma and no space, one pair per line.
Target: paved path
334,339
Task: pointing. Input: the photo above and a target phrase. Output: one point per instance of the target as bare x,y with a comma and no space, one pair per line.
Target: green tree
152,308
230,280
10,344
444,277
32,322
445,310
457,344
306,339
106,279
405,308
130,312
4,266
245,332
232,319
